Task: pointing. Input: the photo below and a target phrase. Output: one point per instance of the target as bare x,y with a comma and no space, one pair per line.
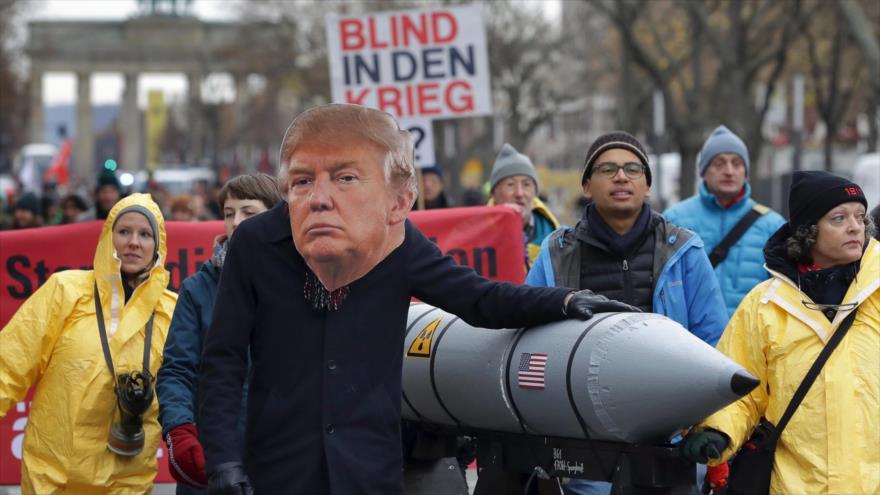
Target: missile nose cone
743,382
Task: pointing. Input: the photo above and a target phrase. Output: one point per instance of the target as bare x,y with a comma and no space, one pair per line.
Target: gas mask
134,395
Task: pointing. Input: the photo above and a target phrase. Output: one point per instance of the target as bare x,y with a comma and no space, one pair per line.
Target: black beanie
815,193
616,139
28,201
108,178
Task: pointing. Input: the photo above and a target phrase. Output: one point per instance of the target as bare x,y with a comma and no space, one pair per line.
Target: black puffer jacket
626,277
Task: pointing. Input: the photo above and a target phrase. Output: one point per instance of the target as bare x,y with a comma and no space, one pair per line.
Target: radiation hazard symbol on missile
421,346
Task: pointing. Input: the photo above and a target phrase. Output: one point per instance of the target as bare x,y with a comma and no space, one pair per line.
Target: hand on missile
229,478
700,446
583,304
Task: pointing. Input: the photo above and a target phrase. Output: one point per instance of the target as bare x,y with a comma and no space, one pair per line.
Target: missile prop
623,377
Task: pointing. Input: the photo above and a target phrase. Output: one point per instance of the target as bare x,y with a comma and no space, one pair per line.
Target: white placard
428,64
423,139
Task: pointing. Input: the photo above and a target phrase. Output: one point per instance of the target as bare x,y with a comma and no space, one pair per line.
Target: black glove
229,478
584,304
700,446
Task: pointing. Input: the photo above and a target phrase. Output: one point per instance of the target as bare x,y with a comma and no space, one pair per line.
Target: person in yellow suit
824,266
93,428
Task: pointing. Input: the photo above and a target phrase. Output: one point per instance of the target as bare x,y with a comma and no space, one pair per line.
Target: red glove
716,477
186,459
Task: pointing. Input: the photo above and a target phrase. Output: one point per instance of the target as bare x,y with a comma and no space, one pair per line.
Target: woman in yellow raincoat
53,341
824,266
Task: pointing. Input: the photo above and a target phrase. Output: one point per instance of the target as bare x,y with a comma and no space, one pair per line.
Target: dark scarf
127,289
825,286
623,244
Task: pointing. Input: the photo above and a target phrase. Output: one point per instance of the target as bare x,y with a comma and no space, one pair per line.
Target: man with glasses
734,228
623,250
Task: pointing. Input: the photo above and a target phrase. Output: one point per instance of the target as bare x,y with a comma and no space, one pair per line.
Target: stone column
241,101
37,119
84,141
132,133
194,110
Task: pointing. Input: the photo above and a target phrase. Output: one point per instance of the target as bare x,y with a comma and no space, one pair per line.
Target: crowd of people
61,205
265,379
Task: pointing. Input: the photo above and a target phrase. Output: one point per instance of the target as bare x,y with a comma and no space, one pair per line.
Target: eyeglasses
609,169
824,307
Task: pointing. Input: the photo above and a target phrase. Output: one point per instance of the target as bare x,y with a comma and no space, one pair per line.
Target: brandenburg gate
153,41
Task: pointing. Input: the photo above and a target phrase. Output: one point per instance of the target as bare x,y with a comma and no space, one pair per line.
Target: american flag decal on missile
531,370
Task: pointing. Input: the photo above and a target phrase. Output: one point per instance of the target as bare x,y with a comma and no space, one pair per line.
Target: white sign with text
429,64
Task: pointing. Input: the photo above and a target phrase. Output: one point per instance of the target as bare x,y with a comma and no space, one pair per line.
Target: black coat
323,413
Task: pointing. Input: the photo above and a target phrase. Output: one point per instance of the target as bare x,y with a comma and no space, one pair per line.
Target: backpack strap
813,373
723,248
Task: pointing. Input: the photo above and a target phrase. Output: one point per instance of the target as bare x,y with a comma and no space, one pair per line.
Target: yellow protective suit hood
106,263
52,343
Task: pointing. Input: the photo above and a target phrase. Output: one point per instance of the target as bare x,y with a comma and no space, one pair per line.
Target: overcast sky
59,88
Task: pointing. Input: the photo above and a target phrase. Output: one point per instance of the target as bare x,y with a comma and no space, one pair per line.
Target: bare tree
709,58
864,29
285,43
836,69
525,61
270,49
525,57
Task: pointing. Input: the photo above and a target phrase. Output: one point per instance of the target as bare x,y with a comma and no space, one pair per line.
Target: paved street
168,488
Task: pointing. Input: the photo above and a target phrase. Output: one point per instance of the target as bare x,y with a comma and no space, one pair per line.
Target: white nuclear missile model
624,377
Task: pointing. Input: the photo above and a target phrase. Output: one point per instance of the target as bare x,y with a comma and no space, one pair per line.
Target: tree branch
658,43
816,71
622,20
863,32
780,53
698,10
847,95
758,12
781,56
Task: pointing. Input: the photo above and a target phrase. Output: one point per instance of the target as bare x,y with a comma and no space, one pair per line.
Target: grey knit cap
509,163
722,140
150,218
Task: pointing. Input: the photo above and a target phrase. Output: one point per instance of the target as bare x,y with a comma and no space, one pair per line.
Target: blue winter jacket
685,290
178,377
743,268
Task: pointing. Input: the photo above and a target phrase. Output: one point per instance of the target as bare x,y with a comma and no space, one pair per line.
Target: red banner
489,240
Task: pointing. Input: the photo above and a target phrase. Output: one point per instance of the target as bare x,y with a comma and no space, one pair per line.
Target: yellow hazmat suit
832,443
52,342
